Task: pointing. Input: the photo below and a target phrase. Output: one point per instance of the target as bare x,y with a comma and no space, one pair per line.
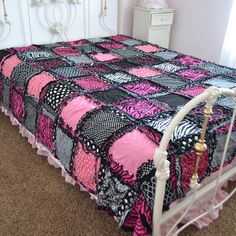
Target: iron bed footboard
162,164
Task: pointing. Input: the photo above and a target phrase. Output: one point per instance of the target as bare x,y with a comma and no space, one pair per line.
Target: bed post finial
162,165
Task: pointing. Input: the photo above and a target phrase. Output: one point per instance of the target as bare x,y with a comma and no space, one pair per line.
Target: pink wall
199,27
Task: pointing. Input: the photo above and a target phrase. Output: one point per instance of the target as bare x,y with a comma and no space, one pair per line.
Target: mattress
101,106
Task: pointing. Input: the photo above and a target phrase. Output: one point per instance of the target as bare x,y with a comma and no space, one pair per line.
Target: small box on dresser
153,25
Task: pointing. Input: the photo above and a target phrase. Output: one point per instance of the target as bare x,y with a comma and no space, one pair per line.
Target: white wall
128,16
199,27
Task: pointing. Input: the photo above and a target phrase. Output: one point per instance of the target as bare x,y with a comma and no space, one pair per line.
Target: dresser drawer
161,19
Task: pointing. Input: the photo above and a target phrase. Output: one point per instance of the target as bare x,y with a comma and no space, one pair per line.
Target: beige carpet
35,200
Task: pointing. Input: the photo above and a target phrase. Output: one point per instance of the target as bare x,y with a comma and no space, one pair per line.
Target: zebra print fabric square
139,109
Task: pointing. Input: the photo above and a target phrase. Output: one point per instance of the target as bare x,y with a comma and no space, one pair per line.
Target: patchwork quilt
101,106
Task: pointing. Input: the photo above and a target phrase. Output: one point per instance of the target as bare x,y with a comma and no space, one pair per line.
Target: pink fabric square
148,48
75,109
93,84
132,150
44,133
144,72
9,64
37,83
84,164
194,91
66,51
105,57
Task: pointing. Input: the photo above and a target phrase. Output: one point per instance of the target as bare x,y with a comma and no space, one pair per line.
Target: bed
99,108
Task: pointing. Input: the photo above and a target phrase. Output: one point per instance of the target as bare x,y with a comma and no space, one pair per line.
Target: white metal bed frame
163,172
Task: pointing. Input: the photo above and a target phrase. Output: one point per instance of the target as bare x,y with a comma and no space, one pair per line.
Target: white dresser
153,25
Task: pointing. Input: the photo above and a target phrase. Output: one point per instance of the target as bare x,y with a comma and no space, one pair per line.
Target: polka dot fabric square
55,94
85,168
69,72
6,94
30,116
